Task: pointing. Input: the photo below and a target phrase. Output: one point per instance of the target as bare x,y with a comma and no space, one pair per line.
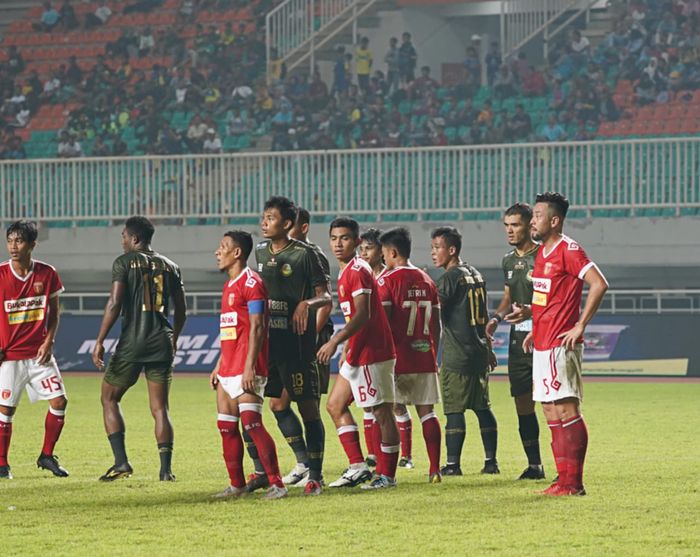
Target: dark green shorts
124,374
519,367
464,391
301,379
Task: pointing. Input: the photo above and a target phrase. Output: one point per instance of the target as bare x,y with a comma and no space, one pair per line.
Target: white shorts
43,382
372,384
417,388
556,374
232,385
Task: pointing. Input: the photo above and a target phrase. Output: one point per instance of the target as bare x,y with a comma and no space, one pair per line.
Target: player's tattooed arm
45,351
300,319
357,321
111,314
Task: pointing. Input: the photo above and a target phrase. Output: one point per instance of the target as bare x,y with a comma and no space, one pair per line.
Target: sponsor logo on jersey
6,393
421,345
541,284
345,308
539,299
271,263
510,275
520,265
24,304
342,290
231,297
547,268
287,270
229,319
229,333
278,323
260,267
38,288
25,316
278,306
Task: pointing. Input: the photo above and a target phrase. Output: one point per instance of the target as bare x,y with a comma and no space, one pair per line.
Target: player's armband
256,307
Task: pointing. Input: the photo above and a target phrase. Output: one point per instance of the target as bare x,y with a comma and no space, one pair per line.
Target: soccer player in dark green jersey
143,283
517,270
324,324
298,287
467,357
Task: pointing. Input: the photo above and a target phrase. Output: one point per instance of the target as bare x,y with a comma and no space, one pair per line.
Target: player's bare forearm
352,327
53,320
597,287
213,376
112,310
505,303
322,316
300,319
321,298
255,339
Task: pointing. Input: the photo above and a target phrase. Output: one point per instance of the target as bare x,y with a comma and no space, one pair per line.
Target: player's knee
334,408
399,409
277,405
59,403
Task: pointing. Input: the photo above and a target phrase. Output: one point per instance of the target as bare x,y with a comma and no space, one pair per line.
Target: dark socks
253,453
116,440
489,432
165,450
530,436
315,441
290,426
455,432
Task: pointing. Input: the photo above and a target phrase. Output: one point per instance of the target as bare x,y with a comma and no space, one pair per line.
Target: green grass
641,477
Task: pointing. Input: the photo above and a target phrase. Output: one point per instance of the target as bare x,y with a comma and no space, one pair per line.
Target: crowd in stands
379,96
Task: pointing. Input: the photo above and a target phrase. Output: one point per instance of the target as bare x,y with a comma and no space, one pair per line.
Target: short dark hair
398,238
243,240
522,209
140,227
25,229
346,222
452,236
286,207
556,201
371,235
303,216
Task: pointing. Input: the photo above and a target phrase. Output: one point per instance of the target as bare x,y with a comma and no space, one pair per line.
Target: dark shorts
301,379
124,374
519,367
464,391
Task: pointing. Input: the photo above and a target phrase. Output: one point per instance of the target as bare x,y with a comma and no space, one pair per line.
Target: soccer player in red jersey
240,375
561,268
28,325
371,252
410,300
368,370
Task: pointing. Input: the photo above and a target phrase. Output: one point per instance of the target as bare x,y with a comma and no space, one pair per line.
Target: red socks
558,450
390,459
368,422
53,425
433,437
5,436
377,441
233,448
350,439
405,426
251,419
575,436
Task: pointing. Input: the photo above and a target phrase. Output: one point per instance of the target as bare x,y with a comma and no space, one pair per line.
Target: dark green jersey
462,293
151,281
290,276
517,273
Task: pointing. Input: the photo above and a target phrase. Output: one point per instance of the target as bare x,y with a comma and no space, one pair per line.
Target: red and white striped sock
350,439
405,425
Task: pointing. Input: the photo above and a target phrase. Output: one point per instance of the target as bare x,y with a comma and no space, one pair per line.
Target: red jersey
411,294
25,308
242,296
557,282
373,343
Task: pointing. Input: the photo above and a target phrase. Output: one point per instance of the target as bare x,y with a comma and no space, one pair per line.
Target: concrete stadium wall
633,252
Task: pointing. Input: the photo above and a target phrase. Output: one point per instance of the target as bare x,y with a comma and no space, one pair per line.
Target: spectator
521,67
391,58
318,93
196,132
146,42
143,6
186,11
408,58
15,62
119,147
68,147
236,124
15,149
493,62
644,91
580,47
423,86
340,72
520,125
22,117
74,75
12,105
51,88
68,18
49,19
533,84
99,17
100,148
472,65
504,84
486,114
281,123
212,143
363,65
552,130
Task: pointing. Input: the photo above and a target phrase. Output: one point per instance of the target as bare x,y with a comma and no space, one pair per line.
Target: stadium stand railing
641,177
616,302
523,20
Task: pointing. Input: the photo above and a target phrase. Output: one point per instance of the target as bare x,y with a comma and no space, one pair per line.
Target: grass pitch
641,476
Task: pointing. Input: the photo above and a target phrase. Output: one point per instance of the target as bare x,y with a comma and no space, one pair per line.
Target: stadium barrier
647,177
621,345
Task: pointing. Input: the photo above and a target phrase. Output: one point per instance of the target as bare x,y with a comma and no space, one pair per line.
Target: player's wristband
497,317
